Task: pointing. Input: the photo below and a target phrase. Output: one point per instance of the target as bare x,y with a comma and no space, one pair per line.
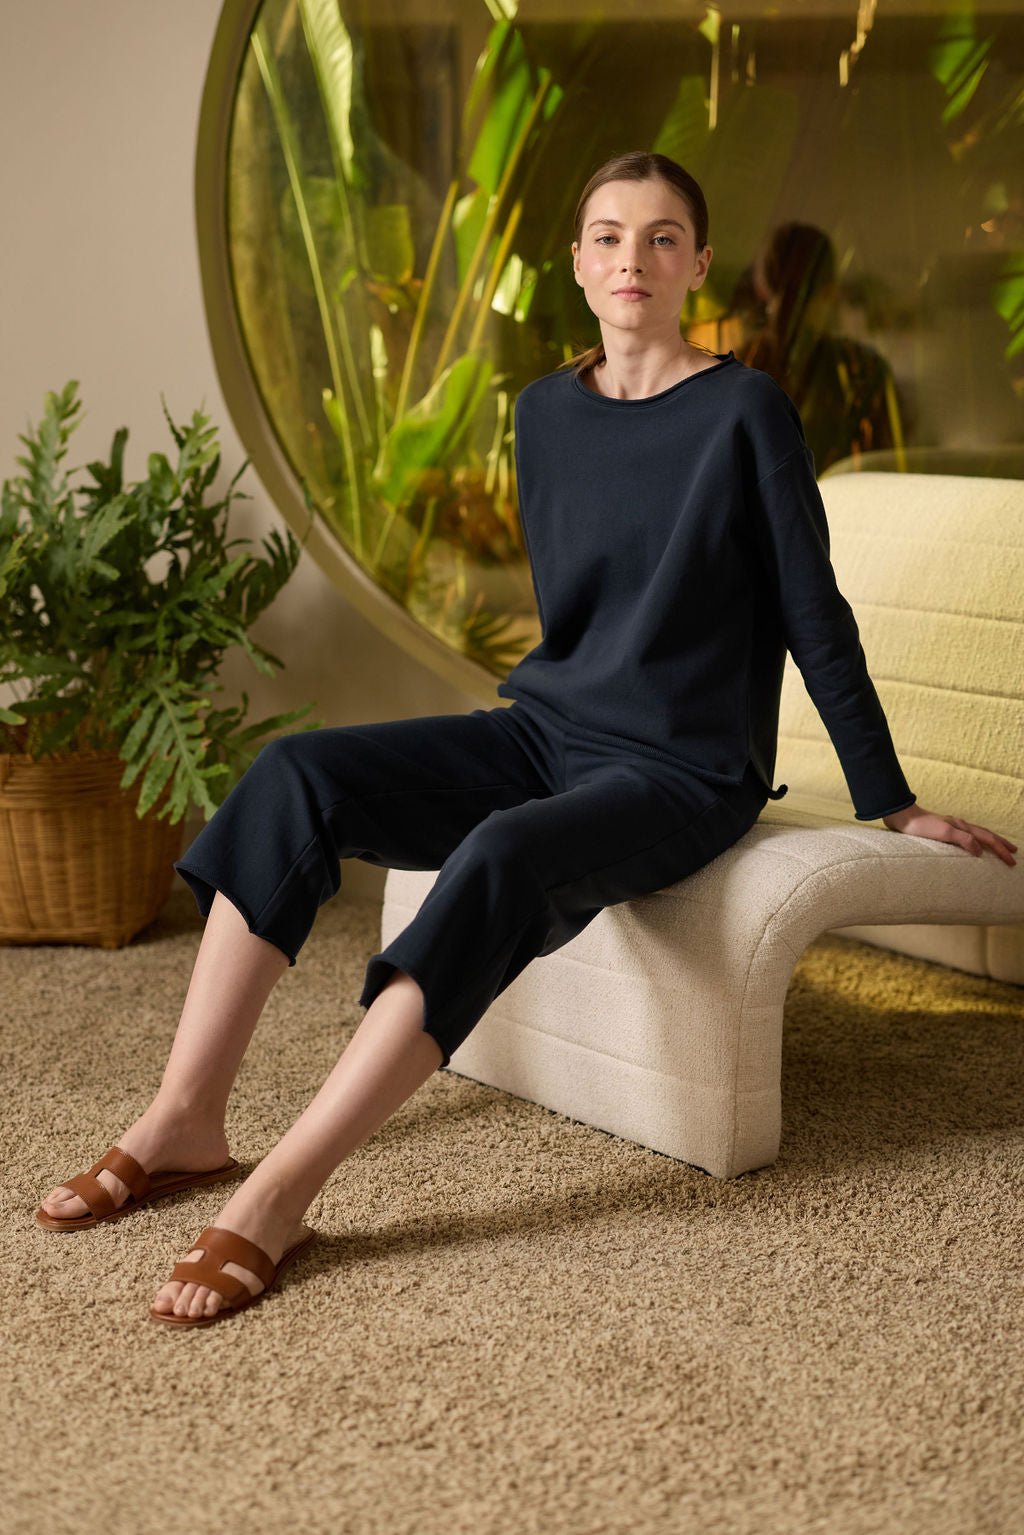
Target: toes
167,1295
65,1202
184,1300
187,1299
204,1302
62,1201
197,1300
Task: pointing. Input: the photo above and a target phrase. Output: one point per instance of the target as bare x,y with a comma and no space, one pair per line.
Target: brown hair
640,165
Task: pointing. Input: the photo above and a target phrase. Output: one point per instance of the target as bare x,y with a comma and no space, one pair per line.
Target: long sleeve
791,531
521,497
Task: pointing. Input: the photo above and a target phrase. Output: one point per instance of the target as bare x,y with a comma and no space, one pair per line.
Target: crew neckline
663,394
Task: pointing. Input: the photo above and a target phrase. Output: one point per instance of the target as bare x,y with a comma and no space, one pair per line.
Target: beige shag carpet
515,1323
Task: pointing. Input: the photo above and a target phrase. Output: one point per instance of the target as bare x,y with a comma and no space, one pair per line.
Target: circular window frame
241,393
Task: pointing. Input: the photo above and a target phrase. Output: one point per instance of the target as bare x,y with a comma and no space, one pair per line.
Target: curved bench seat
662,1021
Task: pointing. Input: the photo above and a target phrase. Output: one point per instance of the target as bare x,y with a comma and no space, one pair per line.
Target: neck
645,373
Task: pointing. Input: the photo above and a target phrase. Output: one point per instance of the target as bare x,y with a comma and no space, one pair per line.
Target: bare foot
161,1145
246,1216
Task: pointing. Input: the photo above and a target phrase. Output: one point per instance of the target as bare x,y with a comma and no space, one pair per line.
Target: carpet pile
512,1322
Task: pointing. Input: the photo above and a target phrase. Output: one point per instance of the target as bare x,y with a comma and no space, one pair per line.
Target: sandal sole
163,1184
287,1257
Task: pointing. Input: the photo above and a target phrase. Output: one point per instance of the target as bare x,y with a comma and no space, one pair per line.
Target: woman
678,545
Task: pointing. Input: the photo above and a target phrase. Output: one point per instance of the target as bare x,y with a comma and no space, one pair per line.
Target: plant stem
385,535
286,139
419,548
419,320
490,220
494,276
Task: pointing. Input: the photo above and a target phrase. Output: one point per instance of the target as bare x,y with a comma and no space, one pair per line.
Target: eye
599,238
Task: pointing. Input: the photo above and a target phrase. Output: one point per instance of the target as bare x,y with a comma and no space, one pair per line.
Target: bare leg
386,1060
183,1127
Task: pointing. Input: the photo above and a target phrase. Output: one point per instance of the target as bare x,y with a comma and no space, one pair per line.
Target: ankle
186,1109
179,1118
280,1205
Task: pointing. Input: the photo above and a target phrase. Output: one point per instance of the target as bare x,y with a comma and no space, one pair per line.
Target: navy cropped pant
533,826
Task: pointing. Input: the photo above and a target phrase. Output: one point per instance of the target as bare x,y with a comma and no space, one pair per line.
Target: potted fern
114,616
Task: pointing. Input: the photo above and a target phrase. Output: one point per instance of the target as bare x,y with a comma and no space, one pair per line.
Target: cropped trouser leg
532,831
401,794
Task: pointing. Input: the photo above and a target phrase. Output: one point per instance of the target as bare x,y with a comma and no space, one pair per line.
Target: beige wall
101,283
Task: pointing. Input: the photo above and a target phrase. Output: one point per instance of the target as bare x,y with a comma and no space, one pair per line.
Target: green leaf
330,51
163,479
157,774
275,722
434,430
136,734
390,247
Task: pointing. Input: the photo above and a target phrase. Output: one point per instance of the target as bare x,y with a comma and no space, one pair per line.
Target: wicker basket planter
77,865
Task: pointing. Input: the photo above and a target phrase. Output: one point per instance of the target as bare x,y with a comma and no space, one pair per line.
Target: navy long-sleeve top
679,547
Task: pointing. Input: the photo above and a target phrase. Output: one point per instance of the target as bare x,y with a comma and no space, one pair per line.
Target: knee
500,844
279,776
286,757
281,750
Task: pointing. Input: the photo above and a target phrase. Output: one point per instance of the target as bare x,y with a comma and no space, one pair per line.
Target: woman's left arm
788,522
919,822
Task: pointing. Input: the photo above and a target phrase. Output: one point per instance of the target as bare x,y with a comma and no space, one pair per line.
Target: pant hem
205,890
378,973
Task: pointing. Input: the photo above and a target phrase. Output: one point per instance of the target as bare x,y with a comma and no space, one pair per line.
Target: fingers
961,835
973,839
976,838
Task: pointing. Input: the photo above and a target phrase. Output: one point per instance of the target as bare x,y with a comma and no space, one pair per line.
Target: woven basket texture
77,865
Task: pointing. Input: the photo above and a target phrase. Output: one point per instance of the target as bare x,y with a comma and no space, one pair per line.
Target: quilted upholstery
933,566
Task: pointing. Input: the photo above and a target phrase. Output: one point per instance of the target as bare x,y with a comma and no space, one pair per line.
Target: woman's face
638,234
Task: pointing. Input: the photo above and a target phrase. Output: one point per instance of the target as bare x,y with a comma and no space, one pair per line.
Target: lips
631,293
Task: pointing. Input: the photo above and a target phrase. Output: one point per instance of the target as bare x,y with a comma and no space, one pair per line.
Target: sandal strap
232,1247
97,1198
124,1166
207,1271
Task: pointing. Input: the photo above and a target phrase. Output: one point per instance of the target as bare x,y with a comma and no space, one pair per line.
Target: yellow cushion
933,567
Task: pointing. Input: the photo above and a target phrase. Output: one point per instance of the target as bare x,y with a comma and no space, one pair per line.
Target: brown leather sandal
221,1246
143,1187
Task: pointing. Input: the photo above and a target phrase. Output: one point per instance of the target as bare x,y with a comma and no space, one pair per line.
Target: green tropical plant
424,432
115,613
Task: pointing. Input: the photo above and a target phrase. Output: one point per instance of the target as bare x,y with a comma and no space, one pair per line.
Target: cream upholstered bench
662,1021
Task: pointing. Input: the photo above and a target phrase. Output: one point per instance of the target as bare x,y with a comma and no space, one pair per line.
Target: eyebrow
653,223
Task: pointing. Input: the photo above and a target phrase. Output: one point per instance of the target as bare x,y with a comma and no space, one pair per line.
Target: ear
705,256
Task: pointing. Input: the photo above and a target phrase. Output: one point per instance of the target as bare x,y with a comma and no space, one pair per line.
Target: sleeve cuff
878,814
